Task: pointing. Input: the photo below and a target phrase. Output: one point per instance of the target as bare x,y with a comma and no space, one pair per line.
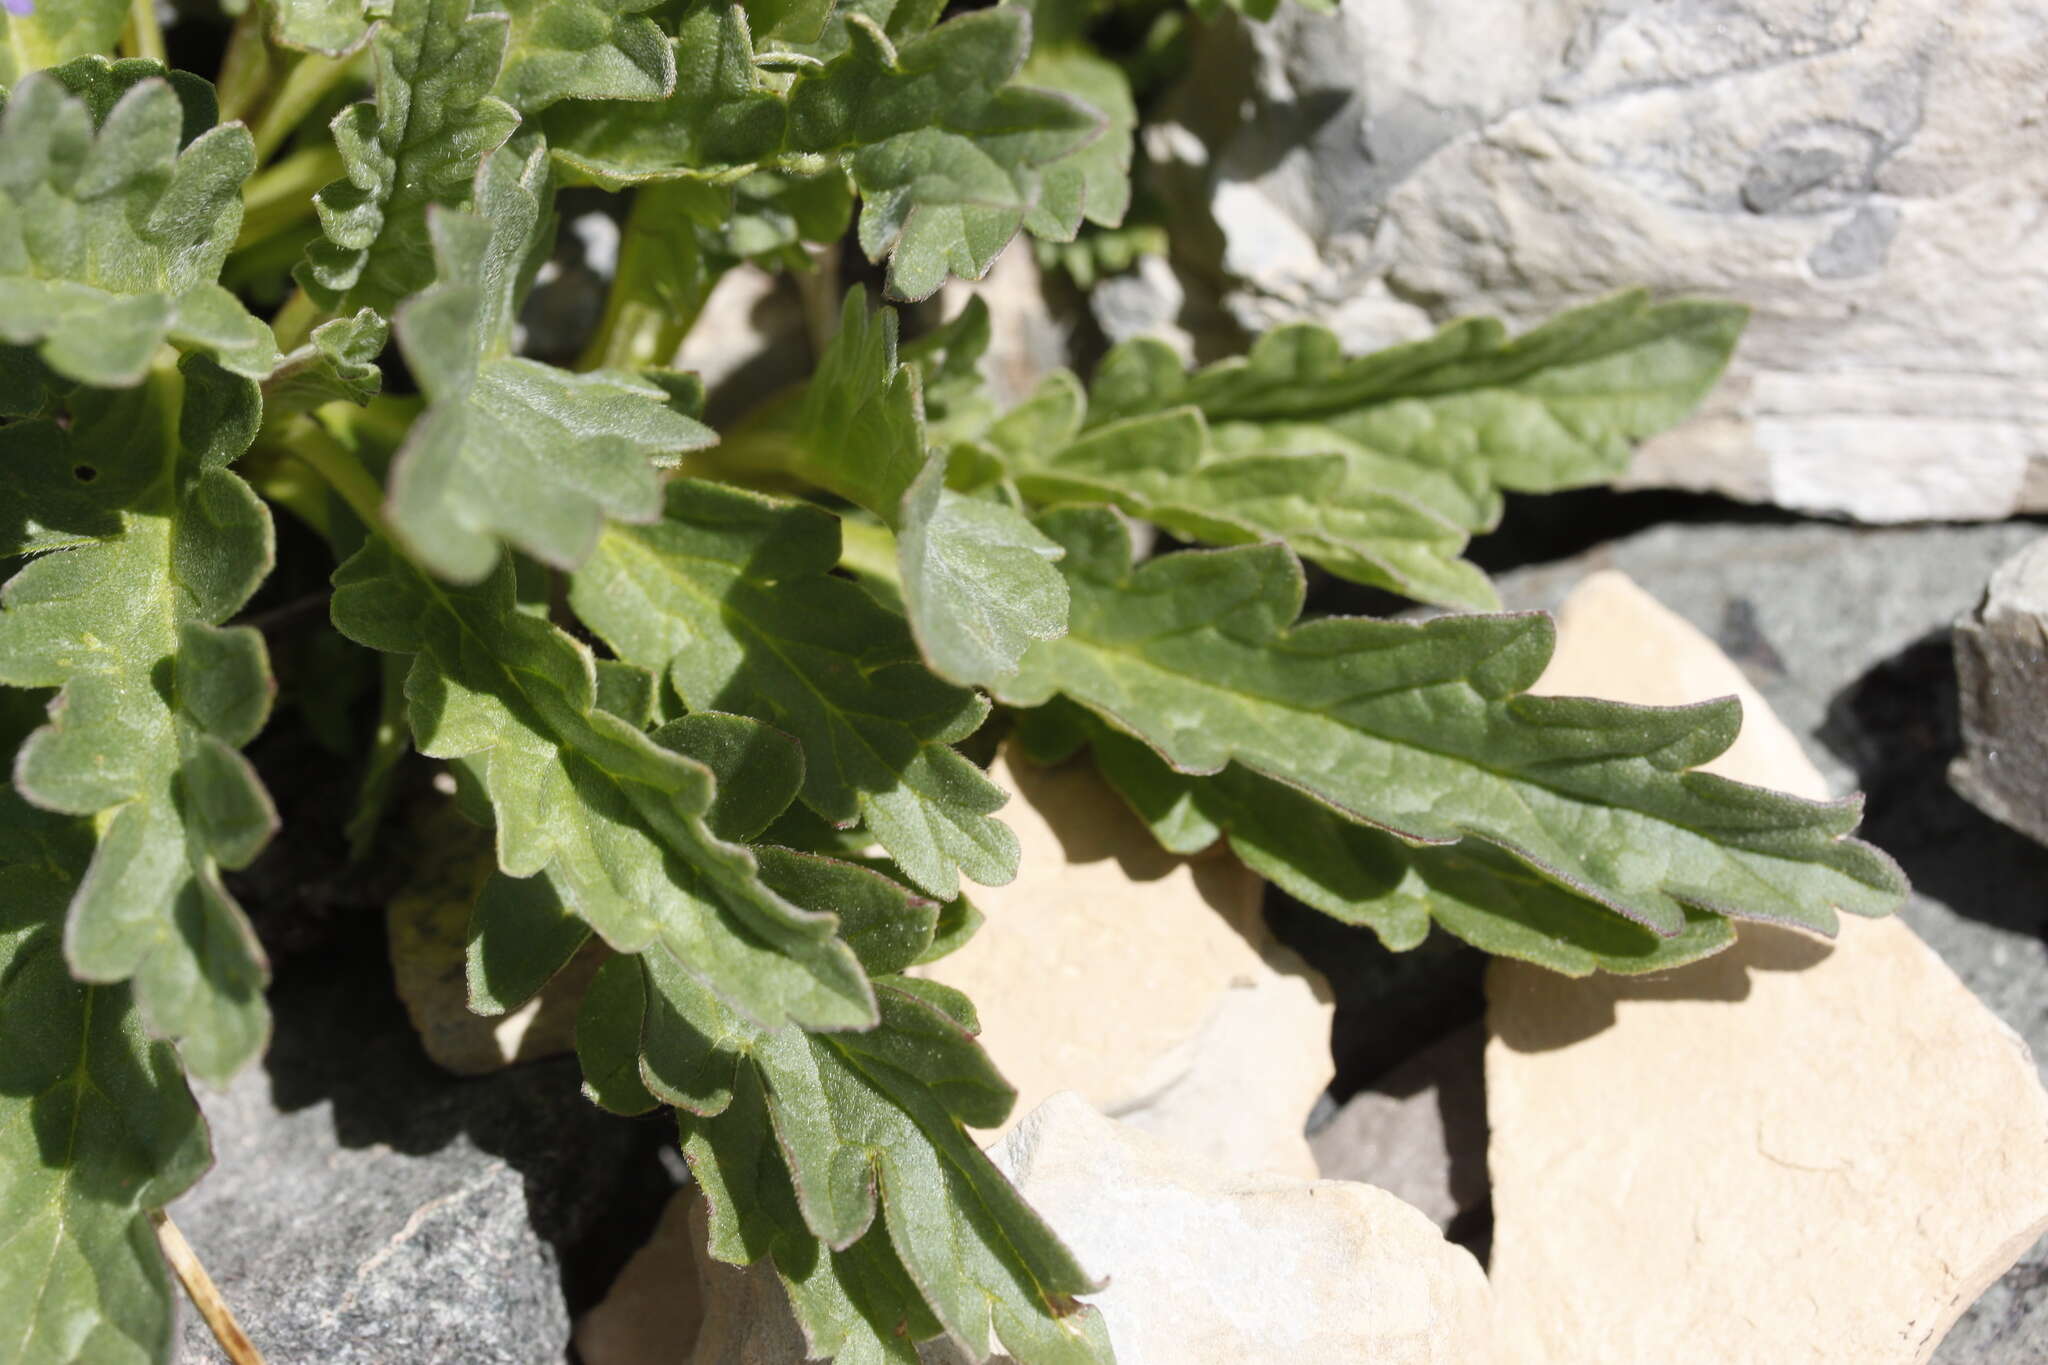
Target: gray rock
1865,174
2002,664
1845,631
366,1207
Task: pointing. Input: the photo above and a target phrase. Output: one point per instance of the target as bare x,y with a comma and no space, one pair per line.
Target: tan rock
1147,983
1213,1266
655,1307
1793,1152
1418,1132
427,928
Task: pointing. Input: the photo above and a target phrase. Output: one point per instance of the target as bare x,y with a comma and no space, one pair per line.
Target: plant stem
282,196
306,441
245,69
307,84
205,1295
659,287
295,321
143,36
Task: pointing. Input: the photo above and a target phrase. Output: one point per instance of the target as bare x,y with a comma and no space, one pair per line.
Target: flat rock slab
1840,1140
1146,982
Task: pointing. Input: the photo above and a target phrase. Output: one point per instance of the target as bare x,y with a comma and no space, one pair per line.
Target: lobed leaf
508,448
843,1158
950,155
731,595
156,543
115,217
418,143
583,50
96,1126
611,823
1421,729
978,581
338,363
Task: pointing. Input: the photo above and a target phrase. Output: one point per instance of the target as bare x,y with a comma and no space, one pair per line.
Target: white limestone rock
1146,982
1866,175
2002,676
1793,1152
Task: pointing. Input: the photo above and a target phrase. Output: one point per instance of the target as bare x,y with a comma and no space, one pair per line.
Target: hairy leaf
613,819
951,156
113,227
338,363
978,581
1376,467
1421,729
332,27
418,143
732,595
842,1156
54,32
584,50
510,448
164,543
96,1126
1363,875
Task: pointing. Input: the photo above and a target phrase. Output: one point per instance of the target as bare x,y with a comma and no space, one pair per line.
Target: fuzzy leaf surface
511,449
96,1127
584,50
978,580
610,817
157,543
1362,875
950,154
332,27
842,1156
113,228
338,363
1423,730
732,594
419,142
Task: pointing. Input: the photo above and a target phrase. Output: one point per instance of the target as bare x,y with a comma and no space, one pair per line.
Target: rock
1839,1139
748,340
1865,174
1419,1132
1026,342
1146,982
2002,658
427,927
366,1208
1208,1264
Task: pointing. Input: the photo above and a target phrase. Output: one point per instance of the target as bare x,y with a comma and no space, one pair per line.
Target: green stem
282,196
311,78
659,289
245,70
295,321
143,36
309,443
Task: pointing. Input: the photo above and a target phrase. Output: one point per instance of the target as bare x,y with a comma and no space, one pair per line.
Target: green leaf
1376,467
330,27
1468,412
842,1156
1421,729
584,50
615,821
733,595
338,363
112,236
156,697
418,143
979,583
511,449
1363,875
1098,176
54,32
950,155
96,1126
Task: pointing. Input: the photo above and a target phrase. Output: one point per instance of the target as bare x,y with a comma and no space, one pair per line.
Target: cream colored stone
653,1311
1793,1152
1146,982
1212,1266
